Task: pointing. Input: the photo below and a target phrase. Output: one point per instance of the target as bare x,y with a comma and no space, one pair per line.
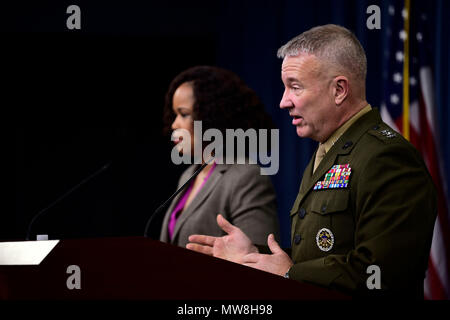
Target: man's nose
285,101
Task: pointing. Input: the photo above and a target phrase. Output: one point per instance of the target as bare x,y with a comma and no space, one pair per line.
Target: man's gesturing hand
278,262
232,247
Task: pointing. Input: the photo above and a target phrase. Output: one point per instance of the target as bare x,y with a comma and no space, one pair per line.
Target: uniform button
324,208
376,127
297,239
301,213
347,144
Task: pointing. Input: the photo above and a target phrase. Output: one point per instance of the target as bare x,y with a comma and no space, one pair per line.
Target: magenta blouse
182,202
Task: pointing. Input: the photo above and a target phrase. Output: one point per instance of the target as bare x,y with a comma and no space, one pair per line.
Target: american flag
408,106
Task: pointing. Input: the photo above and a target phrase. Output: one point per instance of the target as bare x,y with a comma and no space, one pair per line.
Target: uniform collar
340,131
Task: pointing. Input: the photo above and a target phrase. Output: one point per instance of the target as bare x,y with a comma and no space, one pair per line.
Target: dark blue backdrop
124,58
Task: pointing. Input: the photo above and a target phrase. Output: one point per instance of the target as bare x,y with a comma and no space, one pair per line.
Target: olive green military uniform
371,201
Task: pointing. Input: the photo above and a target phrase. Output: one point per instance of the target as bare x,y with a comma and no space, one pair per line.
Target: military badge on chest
336,178
325,239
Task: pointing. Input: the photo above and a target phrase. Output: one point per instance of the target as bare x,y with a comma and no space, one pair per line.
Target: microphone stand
40,213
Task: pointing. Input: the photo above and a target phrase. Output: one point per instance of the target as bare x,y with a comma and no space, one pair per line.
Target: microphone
84,181
161,207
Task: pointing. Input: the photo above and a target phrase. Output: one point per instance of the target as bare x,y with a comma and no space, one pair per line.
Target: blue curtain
250,32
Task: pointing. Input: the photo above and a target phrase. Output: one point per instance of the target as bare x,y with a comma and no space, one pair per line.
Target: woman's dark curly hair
222,101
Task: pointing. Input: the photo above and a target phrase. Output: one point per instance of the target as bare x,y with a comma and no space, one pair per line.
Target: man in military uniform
366,198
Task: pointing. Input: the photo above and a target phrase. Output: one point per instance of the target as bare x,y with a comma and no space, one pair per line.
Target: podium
138,268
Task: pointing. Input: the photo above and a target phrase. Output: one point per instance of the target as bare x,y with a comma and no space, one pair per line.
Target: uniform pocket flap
330,201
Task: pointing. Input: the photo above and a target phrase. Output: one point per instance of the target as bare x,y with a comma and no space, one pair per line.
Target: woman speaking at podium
220,100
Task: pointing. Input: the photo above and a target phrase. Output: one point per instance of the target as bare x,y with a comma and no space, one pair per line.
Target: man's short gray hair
332,43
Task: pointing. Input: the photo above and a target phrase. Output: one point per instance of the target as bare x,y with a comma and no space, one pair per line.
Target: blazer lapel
307,176
200,197
164,229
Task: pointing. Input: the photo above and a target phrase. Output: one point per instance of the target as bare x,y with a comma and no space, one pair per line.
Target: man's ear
341,89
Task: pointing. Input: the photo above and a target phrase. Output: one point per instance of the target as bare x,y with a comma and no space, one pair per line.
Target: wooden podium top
138,268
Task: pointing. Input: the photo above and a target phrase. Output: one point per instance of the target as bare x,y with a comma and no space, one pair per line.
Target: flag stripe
434,288
439,264
426,86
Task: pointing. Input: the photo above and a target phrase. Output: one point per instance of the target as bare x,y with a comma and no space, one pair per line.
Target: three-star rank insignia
325,239
336,178
388,133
